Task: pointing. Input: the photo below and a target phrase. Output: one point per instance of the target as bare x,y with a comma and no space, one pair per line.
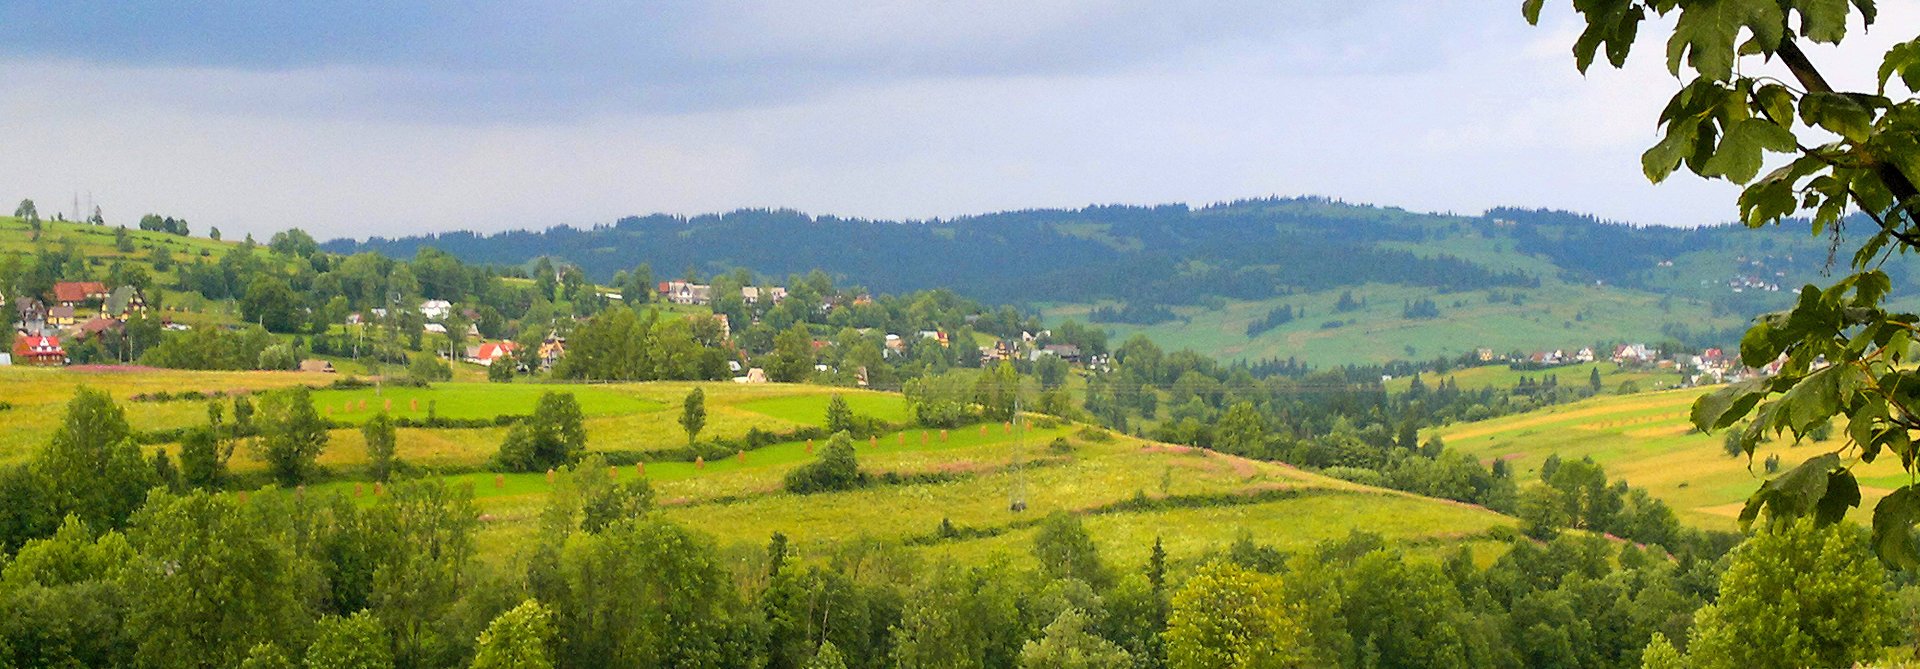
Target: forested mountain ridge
1167,263
1164,254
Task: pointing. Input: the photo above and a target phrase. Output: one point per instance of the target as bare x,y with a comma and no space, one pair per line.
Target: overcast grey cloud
361,118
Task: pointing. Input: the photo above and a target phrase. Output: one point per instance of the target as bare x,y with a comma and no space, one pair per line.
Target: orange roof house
71,293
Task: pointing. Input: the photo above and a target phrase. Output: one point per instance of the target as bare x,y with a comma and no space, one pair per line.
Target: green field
1502,376
1196,501
472,400
1556,315
1647,440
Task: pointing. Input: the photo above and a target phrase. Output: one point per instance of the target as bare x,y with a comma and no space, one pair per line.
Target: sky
351,118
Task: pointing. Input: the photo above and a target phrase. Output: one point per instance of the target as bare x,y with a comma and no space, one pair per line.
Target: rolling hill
1129,491
1199,276
1646,439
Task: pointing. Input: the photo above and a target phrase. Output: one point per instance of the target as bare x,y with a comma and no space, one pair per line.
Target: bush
1060,445
426,368
554,435
501,371
1094,434
837,469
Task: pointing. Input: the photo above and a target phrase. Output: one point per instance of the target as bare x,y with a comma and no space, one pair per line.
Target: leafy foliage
554,435
837,469
1840,350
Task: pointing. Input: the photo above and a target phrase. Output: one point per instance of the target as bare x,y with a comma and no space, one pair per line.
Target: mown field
1556,315
1647,440
1502,376
1130,491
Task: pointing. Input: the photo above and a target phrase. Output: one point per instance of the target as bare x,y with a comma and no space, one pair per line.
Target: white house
435,310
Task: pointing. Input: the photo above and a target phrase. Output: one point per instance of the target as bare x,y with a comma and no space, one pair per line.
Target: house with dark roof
62,316
124,301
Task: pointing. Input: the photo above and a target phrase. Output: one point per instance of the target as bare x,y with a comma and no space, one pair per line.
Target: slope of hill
1647,440
1199,276
1131,491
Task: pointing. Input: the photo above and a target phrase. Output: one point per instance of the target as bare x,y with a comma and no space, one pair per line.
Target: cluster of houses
699,294
435,314
1708,367
79,310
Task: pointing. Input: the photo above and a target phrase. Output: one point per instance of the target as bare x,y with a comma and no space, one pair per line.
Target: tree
1068,644
1800,595
379,435
266,656
351,642
27,212
693,414
517,639
1842,151
643,593
215,578
1242,431
1065,550
501,371
293,242
1228,617
554,435
828,657
272,304
792,359
837,469
839,415
91,467
292,434
427,367
203,457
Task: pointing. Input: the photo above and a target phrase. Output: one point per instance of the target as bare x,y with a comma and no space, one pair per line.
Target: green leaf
1793,494
1739,156
1840,114
1842,495
1706,31
1610,23
1903,60
1728,405
1776,102
1893,536
1823,21
1531,10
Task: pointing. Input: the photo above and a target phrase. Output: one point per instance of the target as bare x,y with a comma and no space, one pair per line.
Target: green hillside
1646,439
1554,316
1129,490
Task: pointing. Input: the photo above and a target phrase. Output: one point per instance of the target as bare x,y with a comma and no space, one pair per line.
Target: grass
812,409
970,475
1502,376
1556,315
473,401
1647,440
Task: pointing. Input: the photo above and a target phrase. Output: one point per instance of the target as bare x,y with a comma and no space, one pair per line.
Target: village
1708,367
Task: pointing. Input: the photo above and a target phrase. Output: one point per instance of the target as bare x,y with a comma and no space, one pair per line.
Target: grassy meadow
1131,491
1556,315
1647,440
1502,376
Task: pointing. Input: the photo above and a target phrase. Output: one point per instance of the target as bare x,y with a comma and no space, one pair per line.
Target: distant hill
1202,276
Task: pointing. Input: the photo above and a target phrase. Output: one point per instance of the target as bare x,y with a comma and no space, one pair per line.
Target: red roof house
38,350
71,293
488,352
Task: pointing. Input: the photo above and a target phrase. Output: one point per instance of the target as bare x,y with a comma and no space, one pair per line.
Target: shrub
554,435
426,368
1094,434
837,469
1060,445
